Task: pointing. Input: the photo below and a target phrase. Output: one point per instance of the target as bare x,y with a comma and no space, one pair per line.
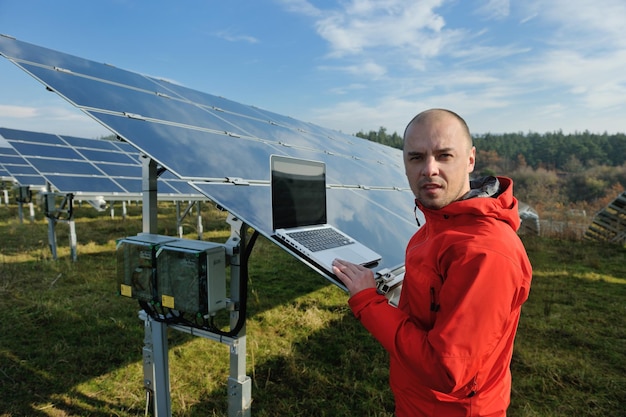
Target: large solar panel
224,147
88,166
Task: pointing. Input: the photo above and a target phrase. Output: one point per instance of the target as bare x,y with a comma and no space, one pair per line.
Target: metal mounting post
199,226
53,214
181,216
156,369
24,195
49,205
239,385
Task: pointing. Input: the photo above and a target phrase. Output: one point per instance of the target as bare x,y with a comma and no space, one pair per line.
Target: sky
506,66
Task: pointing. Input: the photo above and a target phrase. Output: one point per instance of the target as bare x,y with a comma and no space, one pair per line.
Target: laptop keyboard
320,239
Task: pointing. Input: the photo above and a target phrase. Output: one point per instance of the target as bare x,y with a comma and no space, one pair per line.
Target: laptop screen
298,192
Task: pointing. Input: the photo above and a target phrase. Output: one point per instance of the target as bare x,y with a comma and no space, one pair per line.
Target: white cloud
364,24
342,90
351,116
50,119
495,9
544,63
528,18
589,24
597,80
368,69
227,36
17,112
301,7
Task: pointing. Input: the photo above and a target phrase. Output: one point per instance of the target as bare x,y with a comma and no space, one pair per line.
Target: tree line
552,171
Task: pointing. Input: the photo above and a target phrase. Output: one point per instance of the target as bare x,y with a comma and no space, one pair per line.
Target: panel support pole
155,355
49,208
239,384
199,225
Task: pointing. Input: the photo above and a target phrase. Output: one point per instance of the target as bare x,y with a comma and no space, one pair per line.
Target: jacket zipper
434,306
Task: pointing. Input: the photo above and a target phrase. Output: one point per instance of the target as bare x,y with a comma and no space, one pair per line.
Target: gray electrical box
191,276
24,194
136,265
180,274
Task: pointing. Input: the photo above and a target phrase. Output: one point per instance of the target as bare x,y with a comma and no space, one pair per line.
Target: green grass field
70,346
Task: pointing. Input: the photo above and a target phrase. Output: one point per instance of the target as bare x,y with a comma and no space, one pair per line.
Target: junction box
181,274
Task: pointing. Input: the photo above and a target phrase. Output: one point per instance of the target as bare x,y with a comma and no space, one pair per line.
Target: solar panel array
18,169
609,225
4,174
86,166
224,146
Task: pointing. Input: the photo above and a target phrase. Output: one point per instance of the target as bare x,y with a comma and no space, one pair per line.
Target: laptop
299,216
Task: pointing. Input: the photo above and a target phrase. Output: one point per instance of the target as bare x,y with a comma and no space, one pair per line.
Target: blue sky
350,65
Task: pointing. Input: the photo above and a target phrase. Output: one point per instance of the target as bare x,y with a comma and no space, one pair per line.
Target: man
450,340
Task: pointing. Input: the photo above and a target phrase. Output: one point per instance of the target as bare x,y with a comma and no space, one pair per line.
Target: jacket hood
489,196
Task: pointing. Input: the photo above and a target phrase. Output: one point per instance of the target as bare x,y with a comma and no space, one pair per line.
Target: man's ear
472,160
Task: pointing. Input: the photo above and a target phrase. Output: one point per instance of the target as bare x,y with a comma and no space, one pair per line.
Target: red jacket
450,340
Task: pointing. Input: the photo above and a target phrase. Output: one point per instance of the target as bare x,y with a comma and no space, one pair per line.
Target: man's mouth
431,186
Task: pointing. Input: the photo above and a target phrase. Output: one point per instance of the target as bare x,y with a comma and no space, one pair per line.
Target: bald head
437,116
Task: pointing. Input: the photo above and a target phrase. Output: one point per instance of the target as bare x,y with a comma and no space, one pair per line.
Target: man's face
438,159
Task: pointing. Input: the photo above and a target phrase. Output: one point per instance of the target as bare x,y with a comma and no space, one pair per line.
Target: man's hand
355,277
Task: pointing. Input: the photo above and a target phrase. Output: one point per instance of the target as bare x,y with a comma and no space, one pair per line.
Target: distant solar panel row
80,165
609,225
214,141
18,169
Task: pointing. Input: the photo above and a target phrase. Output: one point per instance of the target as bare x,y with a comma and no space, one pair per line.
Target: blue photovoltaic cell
10,157
131,185
106,156
70,167
213,141
91,144
33,149
182,187
22,170
116,170
91,185
33,181
32,137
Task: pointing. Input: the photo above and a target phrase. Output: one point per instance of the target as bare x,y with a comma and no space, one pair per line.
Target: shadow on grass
57,334
323,375
66,326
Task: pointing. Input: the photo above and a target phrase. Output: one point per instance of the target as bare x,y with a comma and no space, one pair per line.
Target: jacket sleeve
480,291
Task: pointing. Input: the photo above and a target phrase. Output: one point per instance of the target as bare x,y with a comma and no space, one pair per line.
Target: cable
246,250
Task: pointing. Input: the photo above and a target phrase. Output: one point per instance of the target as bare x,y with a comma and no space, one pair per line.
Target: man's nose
430,168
